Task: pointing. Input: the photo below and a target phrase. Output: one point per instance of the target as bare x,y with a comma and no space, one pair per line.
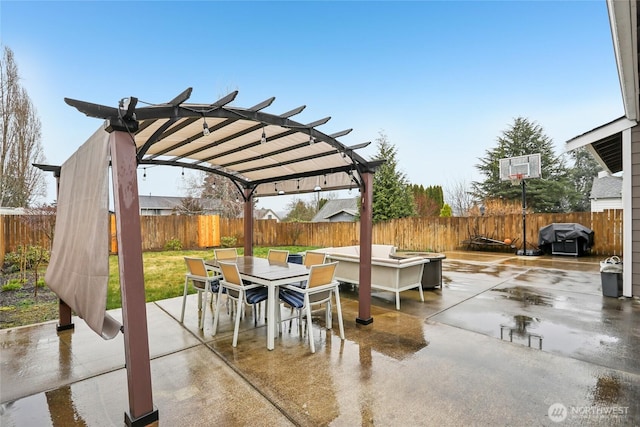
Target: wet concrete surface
441,362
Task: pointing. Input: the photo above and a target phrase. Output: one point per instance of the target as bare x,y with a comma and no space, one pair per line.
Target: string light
263,139
144,174
205,127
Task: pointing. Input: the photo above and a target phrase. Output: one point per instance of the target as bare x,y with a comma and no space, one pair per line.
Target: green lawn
164,272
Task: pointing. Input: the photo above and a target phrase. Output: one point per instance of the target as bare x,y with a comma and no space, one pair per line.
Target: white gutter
622,18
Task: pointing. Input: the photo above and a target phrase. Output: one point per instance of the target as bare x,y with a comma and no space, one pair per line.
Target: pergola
263,154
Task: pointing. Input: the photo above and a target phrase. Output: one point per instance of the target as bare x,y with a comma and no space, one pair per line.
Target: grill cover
563,231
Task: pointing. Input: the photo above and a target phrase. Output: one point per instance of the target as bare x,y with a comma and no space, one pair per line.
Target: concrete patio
441,362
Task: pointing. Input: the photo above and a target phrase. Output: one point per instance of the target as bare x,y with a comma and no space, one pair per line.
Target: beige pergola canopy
268,154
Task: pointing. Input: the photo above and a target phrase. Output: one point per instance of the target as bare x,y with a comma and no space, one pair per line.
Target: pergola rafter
231,144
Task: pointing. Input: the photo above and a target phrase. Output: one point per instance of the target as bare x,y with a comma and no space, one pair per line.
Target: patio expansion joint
479,293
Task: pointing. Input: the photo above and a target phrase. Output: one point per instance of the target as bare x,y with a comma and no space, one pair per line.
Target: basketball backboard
520,167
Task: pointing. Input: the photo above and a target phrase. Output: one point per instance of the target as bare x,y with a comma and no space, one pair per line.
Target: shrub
228,241
30,255
173,245
13,285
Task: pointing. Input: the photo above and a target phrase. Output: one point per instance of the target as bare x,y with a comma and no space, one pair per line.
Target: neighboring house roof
171,202
606,187
335,207
11,211
262,213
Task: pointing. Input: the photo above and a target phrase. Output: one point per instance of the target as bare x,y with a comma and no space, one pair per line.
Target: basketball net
516,178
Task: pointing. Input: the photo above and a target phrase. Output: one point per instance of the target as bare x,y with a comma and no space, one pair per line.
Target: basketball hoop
516,178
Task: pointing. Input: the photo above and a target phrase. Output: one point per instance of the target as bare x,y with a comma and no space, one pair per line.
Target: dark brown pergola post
248,222
134,313
366,231
64,311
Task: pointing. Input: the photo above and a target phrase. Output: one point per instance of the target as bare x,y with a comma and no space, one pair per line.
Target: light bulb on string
205,127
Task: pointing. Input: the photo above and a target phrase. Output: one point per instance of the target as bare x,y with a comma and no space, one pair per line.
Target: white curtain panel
79,268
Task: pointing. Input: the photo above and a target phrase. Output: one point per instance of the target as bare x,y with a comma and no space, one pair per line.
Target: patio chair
320,287
277,255
225,253
239,292
314,258
311,258
198,274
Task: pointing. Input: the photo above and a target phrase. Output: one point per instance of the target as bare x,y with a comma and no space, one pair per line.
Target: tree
211,186
460,198
428,201
552,193
445,212
189,206
391,191
41,217
300,211
585,169
20,146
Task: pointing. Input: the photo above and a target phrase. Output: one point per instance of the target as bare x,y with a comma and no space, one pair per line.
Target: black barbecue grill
566,238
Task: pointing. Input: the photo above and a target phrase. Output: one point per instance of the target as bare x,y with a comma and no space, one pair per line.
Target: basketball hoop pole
524,218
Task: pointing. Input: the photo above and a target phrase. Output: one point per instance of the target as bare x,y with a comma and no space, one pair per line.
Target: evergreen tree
446,211
392,196
428,201
552,193
585,170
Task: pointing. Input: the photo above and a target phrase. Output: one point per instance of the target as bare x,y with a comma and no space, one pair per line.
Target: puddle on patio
466,268
528,296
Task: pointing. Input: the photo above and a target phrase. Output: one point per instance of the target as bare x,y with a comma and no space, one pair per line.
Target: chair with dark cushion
319,289
238,291
202,282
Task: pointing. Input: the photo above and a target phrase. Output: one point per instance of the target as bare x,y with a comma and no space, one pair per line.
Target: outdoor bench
387,274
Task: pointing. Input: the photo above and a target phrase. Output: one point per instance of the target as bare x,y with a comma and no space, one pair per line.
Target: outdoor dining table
270,274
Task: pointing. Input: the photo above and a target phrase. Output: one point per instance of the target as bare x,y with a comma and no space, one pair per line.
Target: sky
442,80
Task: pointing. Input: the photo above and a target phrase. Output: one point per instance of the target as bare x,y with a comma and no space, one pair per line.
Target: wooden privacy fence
434,234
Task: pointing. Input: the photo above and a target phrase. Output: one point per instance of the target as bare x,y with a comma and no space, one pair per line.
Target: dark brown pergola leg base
64,317
364,321
144,420
61,328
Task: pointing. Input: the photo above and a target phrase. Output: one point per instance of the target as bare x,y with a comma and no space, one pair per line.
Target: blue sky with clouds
441,79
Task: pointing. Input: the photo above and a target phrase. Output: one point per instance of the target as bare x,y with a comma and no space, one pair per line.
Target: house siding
603,204
635,212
